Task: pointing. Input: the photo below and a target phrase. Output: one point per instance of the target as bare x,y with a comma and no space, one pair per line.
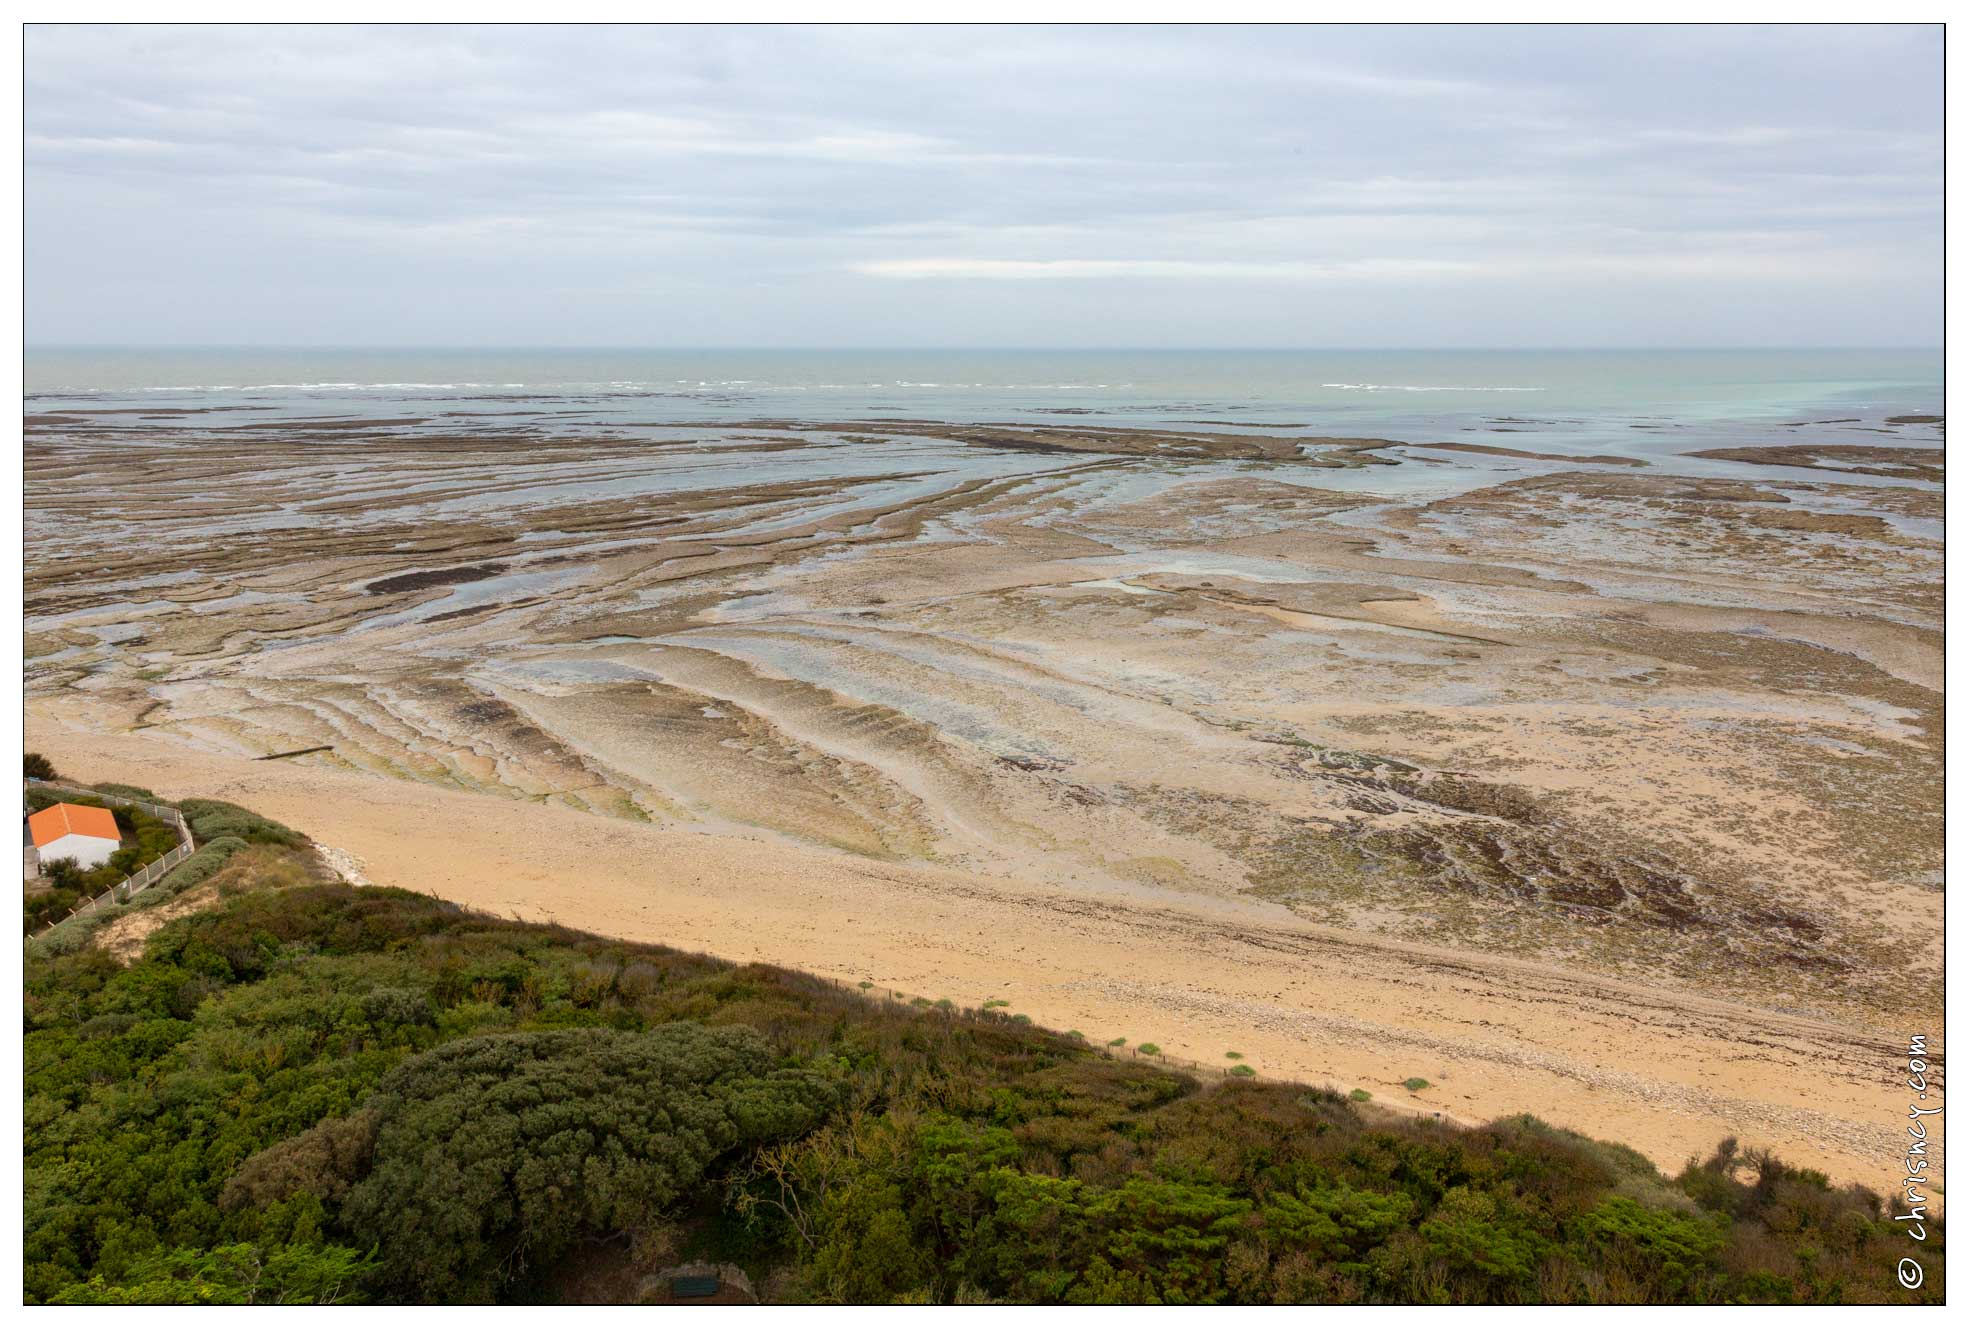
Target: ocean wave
666,386
323,387
1011,387
1418,387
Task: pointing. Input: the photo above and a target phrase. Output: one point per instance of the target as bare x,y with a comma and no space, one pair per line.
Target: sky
999,186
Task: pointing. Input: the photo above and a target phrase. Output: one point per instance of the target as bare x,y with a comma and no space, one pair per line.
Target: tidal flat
1603,787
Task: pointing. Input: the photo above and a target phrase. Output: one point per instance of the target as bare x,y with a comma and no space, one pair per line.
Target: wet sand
1608,794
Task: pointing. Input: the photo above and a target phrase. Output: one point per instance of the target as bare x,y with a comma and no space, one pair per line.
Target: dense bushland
321,1093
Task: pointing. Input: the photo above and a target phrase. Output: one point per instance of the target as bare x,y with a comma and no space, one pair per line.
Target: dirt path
1666,1072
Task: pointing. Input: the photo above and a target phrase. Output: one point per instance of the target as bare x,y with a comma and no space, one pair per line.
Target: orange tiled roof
51,824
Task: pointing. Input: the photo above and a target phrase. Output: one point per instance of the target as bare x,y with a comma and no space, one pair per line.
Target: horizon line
1051,350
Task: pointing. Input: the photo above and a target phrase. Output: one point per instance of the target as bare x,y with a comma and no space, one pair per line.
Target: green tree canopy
494,1151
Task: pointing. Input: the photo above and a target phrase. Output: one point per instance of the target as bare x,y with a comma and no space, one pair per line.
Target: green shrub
114,790
1360,1095
1485,1241
324,1161
1242,1069
495,1153
65,938
50,906
1161,1240
205,860
211,819
242,1274
1676,1251
384,1007
66,875
1149,1049
38,798
1334,1220
1415,1084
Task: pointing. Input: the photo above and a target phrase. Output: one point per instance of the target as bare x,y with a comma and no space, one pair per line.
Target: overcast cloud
985,186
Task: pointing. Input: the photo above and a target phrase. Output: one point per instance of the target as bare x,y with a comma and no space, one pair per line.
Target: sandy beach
1668,1073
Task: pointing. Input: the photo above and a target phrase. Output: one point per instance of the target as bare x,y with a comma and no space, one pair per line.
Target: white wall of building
88,851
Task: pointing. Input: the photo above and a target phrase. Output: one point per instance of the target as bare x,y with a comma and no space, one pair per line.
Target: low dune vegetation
303,1091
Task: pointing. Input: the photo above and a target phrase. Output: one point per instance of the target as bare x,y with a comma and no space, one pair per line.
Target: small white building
70,830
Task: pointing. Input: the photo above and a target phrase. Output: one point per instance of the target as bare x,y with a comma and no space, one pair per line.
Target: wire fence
149,874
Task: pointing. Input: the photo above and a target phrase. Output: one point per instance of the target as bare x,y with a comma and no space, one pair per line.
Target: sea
1602,397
